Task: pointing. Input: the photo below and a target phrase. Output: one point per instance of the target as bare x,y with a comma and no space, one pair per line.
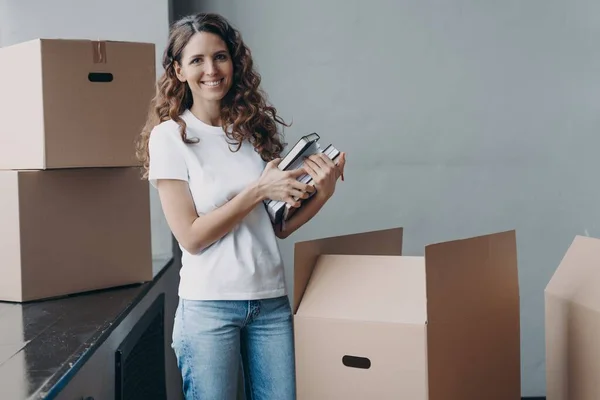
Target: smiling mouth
214,83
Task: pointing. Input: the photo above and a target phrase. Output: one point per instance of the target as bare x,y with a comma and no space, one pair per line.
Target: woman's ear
178,71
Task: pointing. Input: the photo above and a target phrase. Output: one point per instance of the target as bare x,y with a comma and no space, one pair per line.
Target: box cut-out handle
101,77
356,362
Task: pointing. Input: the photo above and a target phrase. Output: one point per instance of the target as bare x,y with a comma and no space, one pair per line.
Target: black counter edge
103,333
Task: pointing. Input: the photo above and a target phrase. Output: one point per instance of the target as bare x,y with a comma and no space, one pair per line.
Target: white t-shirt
246,264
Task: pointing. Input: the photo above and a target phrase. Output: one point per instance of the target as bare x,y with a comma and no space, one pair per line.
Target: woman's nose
210,68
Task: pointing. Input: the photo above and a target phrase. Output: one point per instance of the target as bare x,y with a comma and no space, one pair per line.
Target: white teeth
212,83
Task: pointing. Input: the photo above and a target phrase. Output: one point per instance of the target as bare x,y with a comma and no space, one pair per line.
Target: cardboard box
73,103
72,230
572,319
373,324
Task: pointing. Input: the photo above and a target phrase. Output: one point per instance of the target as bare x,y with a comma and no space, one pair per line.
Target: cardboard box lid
39,40
367,289
577,277
381,242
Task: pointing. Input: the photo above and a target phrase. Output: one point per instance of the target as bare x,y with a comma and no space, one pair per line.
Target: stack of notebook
280,211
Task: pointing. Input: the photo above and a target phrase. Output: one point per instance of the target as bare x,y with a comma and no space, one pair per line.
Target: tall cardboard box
66,231
572,319
73,103
371,323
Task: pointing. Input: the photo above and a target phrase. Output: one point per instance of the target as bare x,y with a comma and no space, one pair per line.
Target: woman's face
207,67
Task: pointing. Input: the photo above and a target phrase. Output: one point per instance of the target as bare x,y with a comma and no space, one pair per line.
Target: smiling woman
205,50
211,148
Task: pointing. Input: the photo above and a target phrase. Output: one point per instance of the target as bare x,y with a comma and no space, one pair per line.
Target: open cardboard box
73,103
572,312
373,324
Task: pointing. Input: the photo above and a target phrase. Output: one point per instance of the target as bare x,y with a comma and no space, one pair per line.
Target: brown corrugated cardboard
572,312
66,231
73,103
371,323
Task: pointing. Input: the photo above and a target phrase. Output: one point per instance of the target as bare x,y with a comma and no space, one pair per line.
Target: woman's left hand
325,173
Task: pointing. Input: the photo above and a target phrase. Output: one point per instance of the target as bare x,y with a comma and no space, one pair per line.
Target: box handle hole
102,77
356,362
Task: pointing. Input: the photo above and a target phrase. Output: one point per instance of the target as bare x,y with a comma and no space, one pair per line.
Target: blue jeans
211,338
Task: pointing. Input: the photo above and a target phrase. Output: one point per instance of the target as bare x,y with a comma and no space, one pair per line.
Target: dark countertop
44,343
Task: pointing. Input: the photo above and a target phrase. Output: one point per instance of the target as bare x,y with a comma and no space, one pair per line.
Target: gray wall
456,117
107,20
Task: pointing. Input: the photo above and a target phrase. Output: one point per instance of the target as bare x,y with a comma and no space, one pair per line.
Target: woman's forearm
208,228
304,214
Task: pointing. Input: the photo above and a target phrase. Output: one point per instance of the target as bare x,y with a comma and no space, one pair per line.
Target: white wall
459,117
128,20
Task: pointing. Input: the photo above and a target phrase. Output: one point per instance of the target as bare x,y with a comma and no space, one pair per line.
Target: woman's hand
324,172
276,184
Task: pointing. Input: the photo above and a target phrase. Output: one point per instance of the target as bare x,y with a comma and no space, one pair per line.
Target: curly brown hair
245,114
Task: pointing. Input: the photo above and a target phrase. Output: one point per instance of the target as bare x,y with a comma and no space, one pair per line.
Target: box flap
367,288
382,242
577,277
473,317
468,277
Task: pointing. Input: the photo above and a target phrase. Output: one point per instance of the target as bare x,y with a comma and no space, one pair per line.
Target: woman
211,148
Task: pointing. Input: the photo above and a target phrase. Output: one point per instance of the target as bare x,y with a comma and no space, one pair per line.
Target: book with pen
280,211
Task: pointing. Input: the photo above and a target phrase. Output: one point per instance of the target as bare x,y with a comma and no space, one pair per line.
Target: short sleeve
166,158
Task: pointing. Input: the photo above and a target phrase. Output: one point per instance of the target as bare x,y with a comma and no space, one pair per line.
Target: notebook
279,211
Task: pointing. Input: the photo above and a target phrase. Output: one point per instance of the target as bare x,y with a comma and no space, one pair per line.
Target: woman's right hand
275,184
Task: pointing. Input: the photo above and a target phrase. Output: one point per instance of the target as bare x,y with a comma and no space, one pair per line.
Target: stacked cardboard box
572,319
371,323
74,211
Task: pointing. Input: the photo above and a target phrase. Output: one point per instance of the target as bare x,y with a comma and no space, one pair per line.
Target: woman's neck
209,113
